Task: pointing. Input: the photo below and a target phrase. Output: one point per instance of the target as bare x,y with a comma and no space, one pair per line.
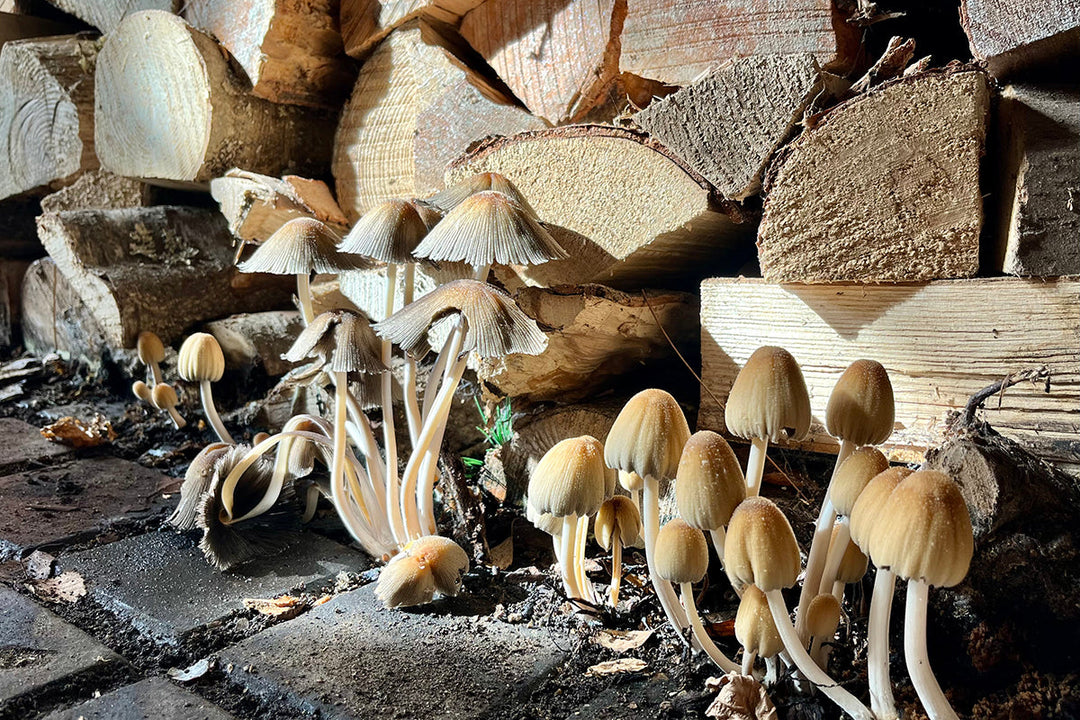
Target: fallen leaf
741,698
77,434
66,587
284,607
193,672
614,667
621,641
502,555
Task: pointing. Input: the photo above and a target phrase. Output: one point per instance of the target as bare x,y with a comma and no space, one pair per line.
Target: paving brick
153,699
162,585
38,649
21,444
352,658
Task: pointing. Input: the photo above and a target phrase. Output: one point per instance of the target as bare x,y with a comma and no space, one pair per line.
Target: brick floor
22,444
153,699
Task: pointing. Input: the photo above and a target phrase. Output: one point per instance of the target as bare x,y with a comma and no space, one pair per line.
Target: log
414,109
326,295
626,211
1039,137
676,41
55,319
1012,38
291,51
11,277
727,125
253,340
98,190
162,269
106,15
169,108
365,23
255,205
557,56
46,113
366,289
941,342
885,188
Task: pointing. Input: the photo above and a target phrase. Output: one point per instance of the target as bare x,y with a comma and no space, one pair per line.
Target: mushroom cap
388,232
768,399
496,326
709,484
925,530
852,476
405,581
861,408
163,396
197,480
682,555
142,391
755,628
542,521
761,548
853,564
342,341
863,518
150,348
648,435
569,479
299,247
445,558
619,519
446,200
200,358
489,227
823,615
631,481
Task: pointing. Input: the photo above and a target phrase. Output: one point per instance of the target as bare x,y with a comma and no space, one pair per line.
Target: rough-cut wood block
55,319
941,342
628,214
1038,231
106,15
1013,36
677,41
884,189
365,23
255,205
727,125
98,190
257,339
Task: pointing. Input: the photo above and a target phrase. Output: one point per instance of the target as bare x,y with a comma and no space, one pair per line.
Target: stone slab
352,658
37,648
156,699
22,443
161,583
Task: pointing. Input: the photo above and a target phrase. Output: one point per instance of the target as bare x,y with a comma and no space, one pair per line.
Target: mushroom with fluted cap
618,525
446,200
197,480
425,566
762,551
822,619
151,352
756,632
853,563
164,397
201,360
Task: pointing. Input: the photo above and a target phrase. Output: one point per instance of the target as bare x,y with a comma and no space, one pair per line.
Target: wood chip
67,588
622,640
615,667
78,434
284,608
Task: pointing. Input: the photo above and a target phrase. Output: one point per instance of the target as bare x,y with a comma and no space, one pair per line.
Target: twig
978,399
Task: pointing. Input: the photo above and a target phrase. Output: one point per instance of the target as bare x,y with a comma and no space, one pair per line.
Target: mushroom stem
915,655
155,371
816,649
837,548
568,538
755,465
365,440
815,561
772,672
838,591
748,659
698,628
650,517
412,403
616,571
429,475
303,294
311,503
588,592
387,388
212,415
177,419
877,653
435,378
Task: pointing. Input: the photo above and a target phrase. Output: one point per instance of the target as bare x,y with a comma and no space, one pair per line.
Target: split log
255,205
885,188
676,42
1039,195
55,319
627,212
11,278
22,27
365,23
326,295
941,342
106,15
1012,37
98,190
46,113
162,269
169,108
728,125
257,339
557,56
415,108
291,51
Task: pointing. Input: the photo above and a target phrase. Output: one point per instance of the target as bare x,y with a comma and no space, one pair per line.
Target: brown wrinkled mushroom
151,353
850,479
756,632
425,566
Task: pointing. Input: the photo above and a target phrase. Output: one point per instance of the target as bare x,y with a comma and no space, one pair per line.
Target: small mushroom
201,360
618,525
164,397
822,619
425,566
853,564
142,391
446,200
151,353
850,479
756,632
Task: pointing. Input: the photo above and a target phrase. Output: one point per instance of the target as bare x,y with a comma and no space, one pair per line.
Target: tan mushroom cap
755,628
142,391
861,409
299,247
761,548
200,358
853,564
405,582
682,555
769,399
164,396
618,518
445,559
542,521
925,531
569,479
852,476
342,340
446,200
197,480
709,484
388,232
823,616
864,514
150,348
648,435
631,481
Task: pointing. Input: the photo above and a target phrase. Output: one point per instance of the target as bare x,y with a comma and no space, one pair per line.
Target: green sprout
498,429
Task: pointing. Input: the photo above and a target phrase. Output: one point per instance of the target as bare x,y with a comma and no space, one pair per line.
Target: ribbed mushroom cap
150,348
648,435
617,518
925,531
768,399
405,582
755,628
343,341
542,521
446,200
300,247
388,232
823,616
496,326
852,476
197,480
854,563
864,514
761,548
447,561
682,555
163,396
709,484
569,479
489,227
631,481
861,408
200,358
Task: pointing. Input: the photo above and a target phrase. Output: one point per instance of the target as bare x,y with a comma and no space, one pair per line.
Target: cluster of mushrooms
911,525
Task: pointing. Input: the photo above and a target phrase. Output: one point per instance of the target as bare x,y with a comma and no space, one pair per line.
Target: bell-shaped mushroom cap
761,548
925,530
709,484
342,340
682,555
142,391
768,399
388,232
755,628
631,481
852,476
150,348
197,480
619,519
861,408
542,521
446,200
569,479
489,227
447,561
648,435
404,582
866,510
496,326
823,616
163,396
299,247
854,562
200,358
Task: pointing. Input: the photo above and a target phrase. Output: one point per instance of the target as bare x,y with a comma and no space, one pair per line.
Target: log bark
941,342
1039,192
253,340
46,113
55,318
728,125
1012,38
98,190
885,188
414,108
628,214
162,269
169,108
255,205
365,23
106,15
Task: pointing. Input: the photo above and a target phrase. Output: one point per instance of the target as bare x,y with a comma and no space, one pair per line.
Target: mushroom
822,619
853,564
142,391
151,353
618,525
446,200
164,397
768,402
425,566
197,480
757,633
201,360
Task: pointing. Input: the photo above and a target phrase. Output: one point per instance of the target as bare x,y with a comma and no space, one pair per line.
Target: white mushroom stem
838,591
772,670
568,539
877,653
844,699
588,592
837,547
212,415
303,294
918,662
429,475
817,647
650,516
412,402
815,562
311,503
755,465
155,372
715,654
387,387
435,376
177,419
365,440
748,659
616,571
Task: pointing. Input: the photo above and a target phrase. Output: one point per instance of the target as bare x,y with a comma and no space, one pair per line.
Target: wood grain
366,23
1012,37
255,205
106,15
